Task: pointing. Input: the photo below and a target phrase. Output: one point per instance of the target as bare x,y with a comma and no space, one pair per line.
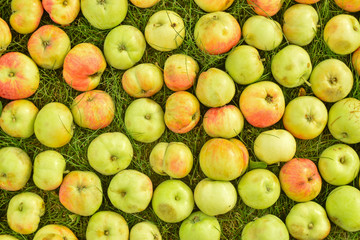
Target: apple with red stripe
5,37
26,15
62,12
266,8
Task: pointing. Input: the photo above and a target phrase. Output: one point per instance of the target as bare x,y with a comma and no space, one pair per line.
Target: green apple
54,232
7,237
145,231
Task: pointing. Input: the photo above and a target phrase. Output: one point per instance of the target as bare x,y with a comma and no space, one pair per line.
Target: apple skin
143,80
144,3
62,12
214,6
178,160
208,27
165,31
54,231
266,8
180,72
19,76
200,226
124,46
7,237
24,212
83,66
94,109
262,104
305,117
26,15
244,151
356,61
6,36
345,39
145,231
173,201
54,125
18,117
331,80
48,46
15,168
307,1
300,179
349,5
144,120
215,197
156,158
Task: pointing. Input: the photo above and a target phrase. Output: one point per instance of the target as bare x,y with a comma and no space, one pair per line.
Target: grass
53,88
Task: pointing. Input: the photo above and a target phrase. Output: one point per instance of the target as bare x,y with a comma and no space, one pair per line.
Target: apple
180,72
48,46
62,12
182,112
145,231
307,1
244,151
343,120
342,34
54,125
54,231
7,237
274,146
262,33
24,212
144,120
18,117
216,33
244,64
104,14
173,201
356,61
19,76
83,66
156,158
305,117
300,179
143,80
15,168
6,36
349,5
291,66
308,221
215,197
107,225
262,104
200,226
110,153
214,6
224,122
124,46
296,27
165,30
331,80
266,8
144,3
81,192
26,15
94,109
215,88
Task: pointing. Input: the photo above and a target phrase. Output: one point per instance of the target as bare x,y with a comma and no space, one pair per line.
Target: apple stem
308,83
311,226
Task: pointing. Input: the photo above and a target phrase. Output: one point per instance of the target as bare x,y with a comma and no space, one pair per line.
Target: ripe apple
266,8
104,14
24,212
214,6
356,60
165,31
54,125
144,120
19,76
180,72
182,112
291,66
156,158
26,15
7,237
305,117
262,104
262,33
300,179
83,66
124,46
18,117
81,192
94,109
49,167
244,151
6,36
215,197
107,225
144,3
216,33
62,12
215,88
54,231
145,231
307,1
48,47
110,153
331,80
15,168
143,80
173,201
349,5
200,226
342,34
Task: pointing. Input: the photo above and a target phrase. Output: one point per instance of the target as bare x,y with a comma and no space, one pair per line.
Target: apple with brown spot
62,12
26,15
266,8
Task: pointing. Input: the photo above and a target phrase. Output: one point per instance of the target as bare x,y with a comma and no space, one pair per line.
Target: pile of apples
222,159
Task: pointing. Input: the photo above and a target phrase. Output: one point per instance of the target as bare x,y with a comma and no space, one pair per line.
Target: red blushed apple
349,5
26,15
83,67
266,8
244,151
93,109
5,37
262,104
62,12
307,1
300,179
356,60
